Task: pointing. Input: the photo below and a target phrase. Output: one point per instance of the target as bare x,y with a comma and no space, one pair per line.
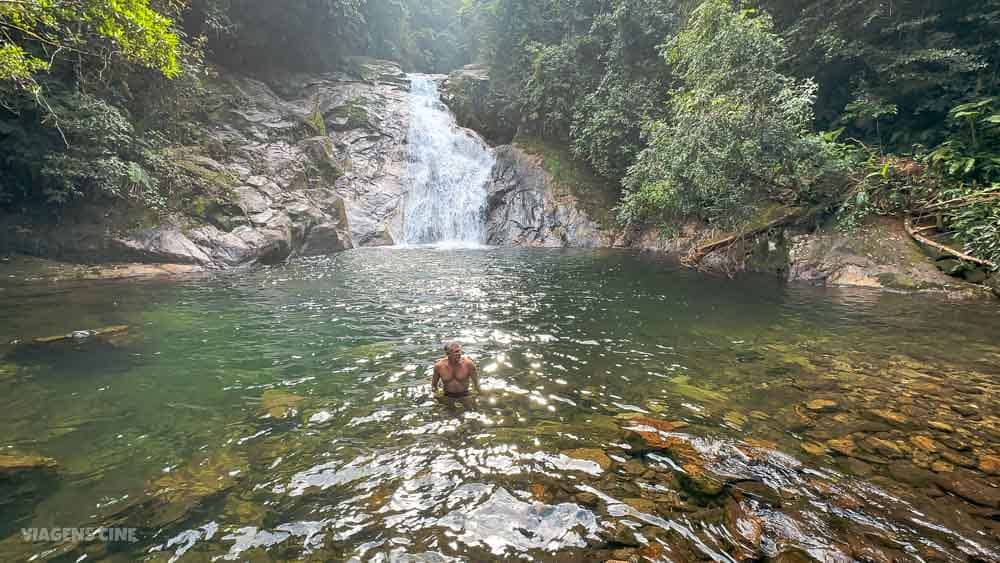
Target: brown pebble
965,409
989,464
843,446
942,467
958,459
924,443
942,426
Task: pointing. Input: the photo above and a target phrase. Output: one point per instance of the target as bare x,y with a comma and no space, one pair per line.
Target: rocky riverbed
631,409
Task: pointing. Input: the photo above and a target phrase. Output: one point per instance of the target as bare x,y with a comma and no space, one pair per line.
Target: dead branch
697,254
908,225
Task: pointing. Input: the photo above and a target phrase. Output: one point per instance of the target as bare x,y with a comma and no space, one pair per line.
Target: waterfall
448,171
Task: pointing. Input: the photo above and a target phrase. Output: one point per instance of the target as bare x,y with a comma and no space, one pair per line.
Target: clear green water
167,428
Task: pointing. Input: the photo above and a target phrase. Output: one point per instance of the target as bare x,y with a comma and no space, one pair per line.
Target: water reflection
629,410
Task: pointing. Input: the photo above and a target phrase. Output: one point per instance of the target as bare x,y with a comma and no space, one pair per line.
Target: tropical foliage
709,109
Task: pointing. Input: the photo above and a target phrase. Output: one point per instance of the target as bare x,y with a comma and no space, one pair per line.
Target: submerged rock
11,464
172,497
971,487
822,405
591,454
989,464
280,404
81,334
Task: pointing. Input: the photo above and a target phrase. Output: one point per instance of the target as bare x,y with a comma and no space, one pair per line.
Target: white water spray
448,171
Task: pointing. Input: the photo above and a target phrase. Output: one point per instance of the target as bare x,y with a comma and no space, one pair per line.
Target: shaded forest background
719,110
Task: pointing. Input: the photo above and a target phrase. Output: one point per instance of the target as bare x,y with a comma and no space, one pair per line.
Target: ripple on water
304,388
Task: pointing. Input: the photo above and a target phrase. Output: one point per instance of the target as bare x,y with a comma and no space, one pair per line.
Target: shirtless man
454,372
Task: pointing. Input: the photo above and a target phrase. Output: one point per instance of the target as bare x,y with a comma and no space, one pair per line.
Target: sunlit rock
11,464
822,405
591,454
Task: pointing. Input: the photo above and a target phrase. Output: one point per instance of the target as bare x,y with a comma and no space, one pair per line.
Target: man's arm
435,379
474,374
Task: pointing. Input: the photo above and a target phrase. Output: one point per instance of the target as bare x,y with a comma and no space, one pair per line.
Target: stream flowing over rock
449,167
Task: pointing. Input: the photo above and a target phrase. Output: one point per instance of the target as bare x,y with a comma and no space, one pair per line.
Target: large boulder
477,105
530,206
878,254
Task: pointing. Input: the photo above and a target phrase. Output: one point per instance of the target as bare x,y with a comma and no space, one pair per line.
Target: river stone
989,464
971,487
813,448
590,454
942,467
891,417
735,419
974,275
822,405
906,473
942,426
634,467
950,266
965,409
173,497
662,425
11,464
857,467
924,443
586,499
642,505
540,493
843,446
884,447
958,459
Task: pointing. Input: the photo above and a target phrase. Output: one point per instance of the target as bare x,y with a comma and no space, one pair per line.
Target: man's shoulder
440,363
468,361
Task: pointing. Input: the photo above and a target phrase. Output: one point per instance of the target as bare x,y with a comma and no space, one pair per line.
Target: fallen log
915,235
82,334
698,253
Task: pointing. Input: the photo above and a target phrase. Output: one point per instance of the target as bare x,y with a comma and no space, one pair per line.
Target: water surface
630,409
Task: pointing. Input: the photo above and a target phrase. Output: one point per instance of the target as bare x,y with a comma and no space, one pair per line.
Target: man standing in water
454,372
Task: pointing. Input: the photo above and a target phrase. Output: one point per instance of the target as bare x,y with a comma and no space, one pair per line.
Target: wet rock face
880,255
315,167
526,208
300,164
469,94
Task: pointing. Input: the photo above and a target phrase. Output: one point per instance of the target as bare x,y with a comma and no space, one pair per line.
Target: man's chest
455,372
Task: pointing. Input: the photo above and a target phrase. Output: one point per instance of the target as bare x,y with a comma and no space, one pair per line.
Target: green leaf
961,114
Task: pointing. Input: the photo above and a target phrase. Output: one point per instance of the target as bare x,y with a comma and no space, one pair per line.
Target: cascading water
448,171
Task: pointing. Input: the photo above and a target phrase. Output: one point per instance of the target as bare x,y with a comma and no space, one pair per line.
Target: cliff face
302,164
529,206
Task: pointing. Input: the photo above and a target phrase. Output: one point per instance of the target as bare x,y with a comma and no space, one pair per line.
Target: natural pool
631,409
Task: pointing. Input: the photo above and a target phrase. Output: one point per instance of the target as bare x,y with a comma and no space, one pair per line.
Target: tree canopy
709,109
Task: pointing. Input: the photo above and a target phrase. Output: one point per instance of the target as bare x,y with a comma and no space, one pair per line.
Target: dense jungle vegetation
715,110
